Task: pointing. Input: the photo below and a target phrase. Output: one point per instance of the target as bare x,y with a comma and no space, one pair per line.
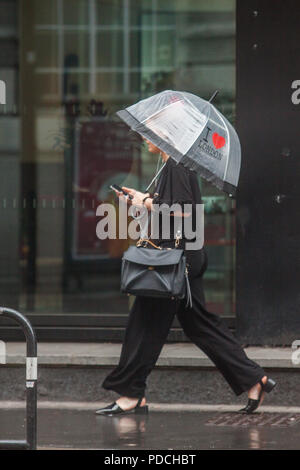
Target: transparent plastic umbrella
191,131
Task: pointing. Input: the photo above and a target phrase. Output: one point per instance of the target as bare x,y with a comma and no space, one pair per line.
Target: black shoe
252,404
114,409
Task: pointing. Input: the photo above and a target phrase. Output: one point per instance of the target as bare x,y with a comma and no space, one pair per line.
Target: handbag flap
152,257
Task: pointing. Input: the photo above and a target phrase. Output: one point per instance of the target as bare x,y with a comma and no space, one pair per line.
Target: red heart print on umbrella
218,140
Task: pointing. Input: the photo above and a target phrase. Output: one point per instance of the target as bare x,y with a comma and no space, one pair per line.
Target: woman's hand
137,196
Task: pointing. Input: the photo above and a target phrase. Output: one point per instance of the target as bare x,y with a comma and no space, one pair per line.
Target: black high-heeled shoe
252,404
114,409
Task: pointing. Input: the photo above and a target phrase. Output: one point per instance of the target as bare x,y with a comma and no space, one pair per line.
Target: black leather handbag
152,271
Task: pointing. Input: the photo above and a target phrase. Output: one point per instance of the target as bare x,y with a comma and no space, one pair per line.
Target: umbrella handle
213,96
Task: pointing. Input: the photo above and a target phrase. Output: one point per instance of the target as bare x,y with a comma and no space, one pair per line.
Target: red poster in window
104,154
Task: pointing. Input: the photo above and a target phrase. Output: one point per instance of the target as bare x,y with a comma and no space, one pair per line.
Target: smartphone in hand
115,187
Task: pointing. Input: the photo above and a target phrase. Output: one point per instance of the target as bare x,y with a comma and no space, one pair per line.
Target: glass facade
69,65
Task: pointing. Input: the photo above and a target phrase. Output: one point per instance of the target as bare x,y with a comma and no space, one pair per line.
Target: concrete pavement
172,355
183,374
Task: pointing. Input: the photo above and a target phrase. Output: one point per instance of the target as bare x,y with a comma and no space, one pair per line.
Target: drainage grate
256,419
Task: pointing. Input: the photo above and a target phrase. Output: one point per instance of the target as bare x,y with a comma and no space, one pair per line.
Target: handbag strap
189,301
146,240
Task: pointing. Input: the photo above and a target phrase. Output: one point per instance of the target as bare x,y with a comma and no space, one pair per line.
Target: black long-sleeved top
176,185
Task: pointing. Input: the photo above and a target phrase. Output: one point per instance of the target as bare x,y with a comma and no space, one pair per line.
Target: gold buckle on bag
178,237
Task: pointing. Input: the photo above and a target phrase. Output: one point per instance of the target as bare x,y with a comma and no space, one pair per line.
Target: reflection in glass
81,62
109,12
110,50
75,12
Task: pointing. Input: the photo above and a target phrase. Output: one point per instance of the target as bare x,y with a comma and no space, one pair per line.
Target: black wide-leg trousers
148,326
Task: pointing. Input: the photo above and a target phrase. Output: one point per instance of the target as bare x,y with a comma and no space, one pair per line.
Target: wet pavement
180,430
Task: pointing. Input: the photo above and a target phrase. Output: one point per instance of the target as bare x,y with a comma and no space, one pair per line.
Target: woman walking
150,318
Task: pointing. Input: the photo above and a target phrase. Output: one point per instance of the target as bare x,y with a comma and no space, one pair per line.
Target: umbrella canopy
192,131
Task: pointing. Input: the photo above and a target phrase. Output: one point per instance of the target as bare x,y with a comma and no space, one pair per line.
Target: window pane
46,49
84,61
45,12
110,49
75,12
76,49
109,12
